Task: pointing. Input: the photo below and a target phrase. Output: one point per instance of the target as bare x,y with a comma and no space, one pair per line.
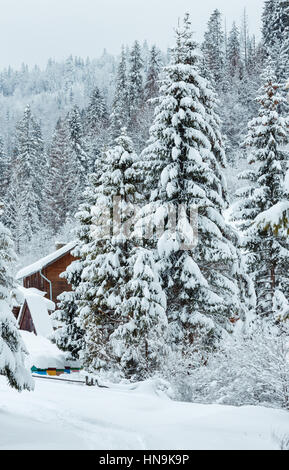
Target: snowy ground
65,416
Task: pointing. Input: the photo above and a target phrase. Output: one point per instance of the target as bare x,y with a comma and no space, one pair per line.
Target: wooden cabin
44,275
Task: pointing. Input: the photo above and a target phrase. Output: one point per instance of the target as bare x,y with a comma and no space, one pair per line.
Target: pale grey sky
31,31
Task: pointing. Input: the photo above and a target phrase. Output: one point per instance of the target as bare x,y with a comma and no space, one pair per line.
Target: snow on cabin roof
44,262
39,306
18,295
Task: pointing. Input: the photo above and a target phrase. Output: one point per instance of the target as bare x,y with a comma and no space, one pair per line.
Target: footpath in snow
59,415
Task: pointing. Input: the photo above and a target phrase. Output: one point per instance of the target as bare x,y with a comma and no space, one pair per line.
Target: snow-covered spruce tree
241,82
279,54
12,349
268,16
140,343
275,20
135,82
110,295
144,116
277,217
4,171
120,107
79,145
183,161
233,55
96,127
40,163
69,335
96,114
267,251
213,49
137,118
62,186
283,59
104,257
28,151
15,215
28,166
151,87
276,41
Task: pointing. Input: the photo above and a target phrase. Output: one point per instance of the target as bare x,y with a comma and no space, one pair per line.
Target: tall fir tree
120,108
135,82
151,87
234,63
96,114
245,39
62,188
27,181
104,259
144,117
276,39
268,17
96,125
4,171
78,144
183,163
213,49
110,299
69,335
267,252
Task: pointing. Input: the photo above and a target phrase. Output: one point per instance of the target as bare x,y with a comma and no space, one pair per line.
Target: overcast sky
31,31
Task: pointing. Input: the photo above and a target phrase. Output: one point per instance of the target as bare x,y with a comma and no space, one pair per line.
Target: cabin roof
39,308
44,262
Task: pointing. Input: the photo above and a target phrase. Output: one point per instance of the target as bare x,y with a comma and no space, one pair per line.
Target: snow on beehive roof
44,262
42,353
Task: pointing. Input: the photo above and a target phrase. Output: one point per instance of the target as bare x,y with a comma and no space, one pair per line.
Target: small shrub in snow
251,369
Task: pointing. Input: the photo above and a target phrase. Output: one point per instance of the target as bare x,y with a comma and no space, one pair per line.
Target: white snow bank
155,387
19,432
64,415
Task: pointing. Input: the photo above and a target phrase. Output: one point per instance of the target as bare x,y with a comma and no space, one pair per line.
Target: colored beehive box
35,370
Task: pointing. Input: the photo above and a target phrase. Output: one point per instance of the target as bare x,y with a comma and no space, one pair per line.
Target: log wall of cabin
51,272
36,281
